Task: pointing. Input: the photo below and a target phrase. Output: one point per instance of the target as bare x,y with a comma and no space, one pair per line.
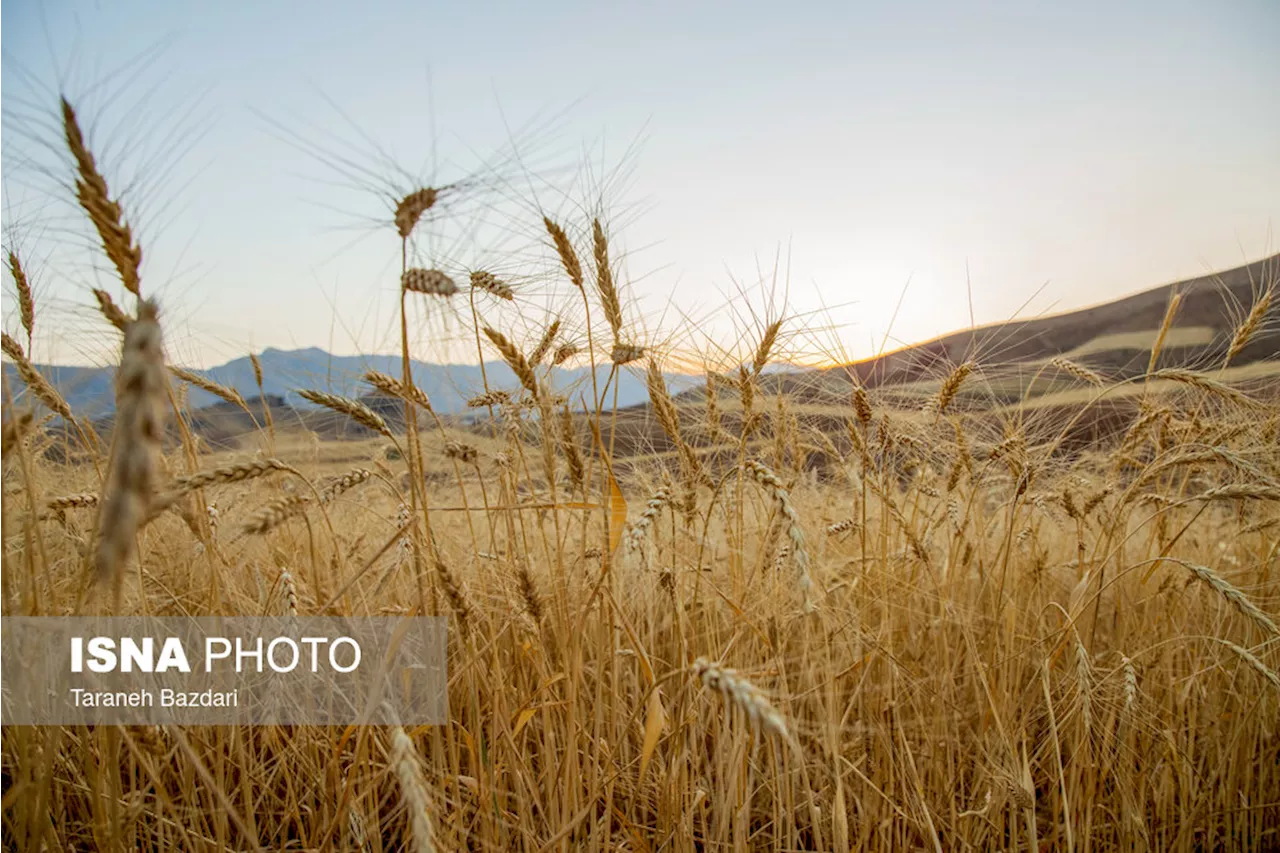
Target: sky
907,167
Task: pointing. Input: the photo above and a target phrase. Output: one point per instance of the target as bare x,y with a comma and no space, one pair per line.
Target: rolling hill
1114,338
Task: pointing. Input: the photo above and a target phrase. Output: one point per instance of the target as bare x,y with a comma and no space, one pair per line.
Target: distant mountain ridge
90,390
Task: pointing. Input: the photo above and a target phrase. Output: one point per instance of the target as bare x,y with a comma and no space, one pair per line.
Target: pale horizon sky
1053,155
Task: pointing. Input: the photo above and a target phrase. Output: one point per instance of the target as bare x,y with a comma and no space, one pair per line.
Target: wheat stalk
232,474
1130,684
862,405
765,347
10,347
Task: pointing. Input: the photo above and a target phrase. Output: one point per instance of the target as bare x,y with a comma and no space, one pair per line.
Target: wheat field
715,624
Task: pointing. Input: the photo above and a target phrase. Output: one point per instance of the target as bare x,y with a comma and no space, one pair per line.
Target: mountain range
90,392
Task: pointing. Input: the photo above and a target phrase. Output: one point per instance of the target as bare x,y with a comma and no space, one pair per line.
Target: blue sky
1055,155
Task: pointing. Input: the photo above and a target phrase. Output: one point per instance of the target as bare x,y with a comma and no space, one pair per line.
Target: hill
1114,338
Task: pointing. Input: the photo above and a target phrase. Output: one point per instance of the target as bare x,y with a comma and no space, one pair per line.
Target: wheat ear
515,360
544,345
222,392
636,533
430,282
104,213
1078,370
413,785
34,379
26,305
332,488
410,209
275,513
112,312
951,386
740,692
1204,383
290,589
609,300
772,485
393,387
1249,328
139,429
1170,313
1233,596
563,353
354,409
568,257
492,285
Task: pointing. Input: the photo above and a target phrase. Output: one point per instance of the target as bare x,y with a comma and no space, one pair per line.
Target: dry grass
904,631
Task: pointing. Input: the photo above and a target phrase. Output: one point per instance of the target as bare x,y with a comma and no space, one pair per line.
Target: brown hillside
1214,302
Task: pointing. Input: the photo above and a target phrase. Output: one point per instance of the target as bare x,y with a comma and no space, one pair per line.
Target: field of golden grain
900,627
